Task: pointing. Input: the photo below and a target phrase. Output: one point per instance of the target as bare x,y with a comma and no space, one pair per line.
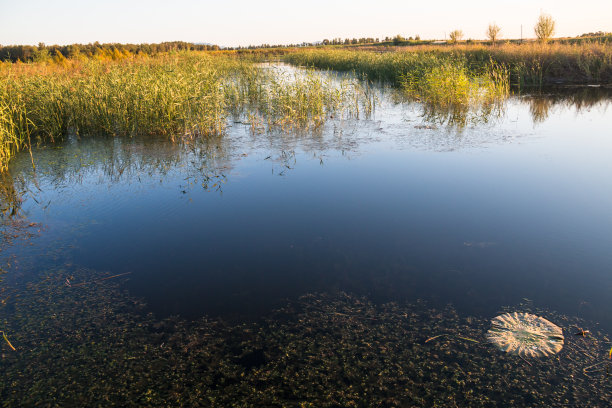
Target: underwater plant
526,335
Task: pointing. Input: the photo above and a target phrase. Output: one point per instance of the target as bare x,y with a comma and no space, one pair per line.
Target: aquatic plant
441,80
79,345
177,96
526,335
530,64
452,88
302,99
7,340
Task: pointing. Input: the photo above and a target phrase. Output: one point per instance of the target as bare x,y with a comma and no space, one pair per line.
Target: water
394,208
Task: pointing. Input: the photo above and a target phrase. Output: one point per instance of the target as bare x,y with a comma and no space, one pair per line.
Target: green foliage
451,84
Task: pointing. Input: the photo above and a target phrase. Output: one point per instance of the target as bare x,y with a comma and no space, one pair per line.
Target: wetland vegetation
320,350
531,64
177,96
192,93
130,180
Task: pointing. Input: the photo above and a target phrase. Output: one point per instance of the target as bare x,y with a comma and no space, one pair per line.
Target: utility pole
521,34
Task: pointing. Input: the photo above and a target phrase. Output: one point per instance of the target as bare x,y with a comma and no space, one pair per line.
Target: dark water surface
394,208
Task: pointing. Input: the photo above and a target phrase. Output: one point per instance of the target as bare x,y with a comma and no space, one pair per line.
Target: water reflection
577,98
10,196
64,167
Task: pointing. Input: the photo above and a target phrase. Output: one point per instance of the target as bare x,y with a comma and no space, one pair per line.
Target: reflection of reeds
584,98
10,198
539,107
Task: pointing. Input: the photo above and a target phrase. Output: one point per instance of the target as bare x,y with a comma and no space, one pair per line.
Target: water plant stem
7,341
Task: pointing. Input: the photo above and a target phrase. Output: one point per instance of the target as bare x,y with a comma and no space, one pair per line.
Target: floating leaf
526,335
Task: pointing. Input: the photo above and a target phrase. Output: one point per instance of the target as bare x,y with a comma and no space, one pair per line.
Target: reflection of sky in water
392,207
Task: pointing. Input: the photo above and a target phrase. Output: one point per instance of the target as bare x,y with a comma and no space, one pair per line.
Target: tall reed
174,95
444,80
529,64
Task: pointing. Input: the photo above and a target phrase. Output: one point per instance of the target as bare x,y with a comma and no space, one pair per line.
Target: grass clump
442,80
537,65
452,84
14,125
164,96
278,98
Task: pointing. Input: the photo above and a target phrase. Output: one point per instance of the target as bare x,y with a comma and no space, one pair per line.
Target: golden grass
529,64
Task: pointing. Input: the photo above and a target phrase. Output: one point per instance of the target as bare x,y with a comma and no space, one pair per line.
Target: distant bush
455,36
544,28
493,32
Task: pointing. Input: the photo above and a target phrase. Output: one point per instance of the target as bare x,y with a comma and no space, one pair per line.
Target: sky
244,22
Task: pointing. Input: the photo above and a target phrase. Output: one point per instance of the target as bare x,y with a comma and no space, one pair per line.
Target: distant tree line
29,53
544,30
43,52
348,41
597,34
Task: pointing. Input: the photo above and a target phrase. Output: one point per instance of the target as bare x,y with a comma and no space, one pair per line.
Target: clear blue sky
245,22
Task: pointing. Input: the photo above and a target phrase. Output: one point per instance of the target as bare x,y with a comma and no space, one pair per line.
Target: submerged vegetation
526,335
322,350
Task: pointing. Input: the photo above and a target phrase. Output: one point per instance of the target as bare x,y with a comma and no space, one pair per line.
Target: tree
544,28
493,33
455,36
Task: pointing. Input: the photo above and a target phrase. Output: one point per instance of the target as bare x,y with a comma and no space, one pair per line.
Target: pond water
506,212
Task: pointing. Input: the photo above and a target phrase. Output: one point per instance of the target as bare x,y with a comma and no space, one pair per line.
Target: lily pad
526,335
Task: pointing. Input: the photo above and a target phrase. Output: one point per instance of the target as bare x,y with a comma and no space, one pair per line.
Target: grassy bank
176,95
531,64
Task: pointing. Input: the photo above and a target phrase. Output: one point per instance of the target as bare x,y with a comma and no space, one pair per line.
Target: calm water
479,217
393,208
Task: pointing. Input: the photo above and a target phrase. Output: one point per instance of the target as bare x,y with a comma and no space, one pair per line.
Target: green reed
444,81
175,95
529,64
297,99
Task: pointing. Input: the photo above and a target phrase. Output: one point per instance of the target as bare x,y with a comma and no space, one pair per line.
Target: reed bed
174,95
443,81
538,64
278,98
529,64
